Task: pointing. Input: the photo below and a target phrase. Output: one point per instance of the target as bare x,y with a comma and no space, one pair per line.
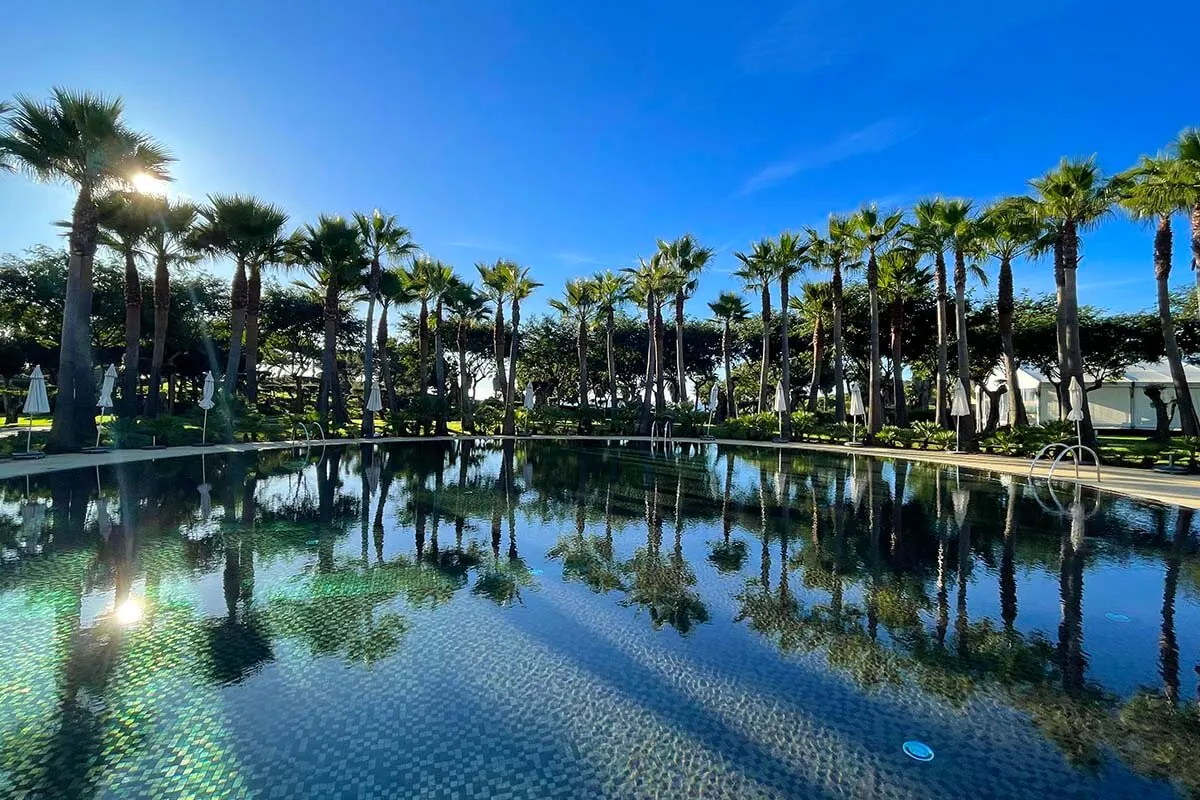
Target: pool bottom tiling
541,619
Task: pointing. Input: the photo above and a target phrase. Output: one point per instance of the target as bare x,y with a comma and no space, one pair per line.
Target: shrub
925,433
894,436
755,427
803,423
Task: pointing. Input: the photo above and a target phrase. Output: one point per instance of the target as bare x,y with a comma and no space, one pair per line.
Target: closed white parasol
36,402
105,401
856,410
960,407
206,402
375,399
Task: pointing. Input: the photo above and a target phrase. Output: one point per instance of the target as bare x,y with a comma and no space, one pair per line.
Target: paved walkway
1183,490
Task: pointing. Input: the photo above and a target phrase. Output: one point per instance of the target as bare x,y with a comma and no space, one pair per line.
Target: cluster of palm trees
900,252
81,139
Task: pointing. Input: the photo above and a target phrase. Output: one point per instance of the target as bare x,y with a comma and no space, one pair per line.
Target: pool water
550,619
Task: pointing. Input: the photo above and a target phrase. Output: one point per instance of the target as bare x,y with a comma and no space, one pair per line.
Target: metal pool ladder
1076,451
666,431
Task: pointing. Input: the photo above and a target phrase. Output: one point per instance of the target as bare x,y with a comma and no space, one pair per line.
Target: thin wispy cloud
874,138
467,244
578,260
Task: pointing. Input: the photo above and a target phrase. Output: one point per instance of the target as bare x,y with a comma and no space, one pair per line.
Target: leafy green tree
81,139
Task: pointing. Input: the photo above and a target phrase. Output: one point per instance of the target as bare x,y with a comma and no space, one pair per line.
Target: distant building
1118,403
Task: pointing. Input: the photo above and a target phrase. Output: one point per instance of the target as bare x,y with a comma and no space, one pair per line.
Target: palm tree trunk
968,441
581,351
253,304
328,355
238,300
764,368
839,367
875,403
423,348
644,424
730,400
439,368
940,404
510,410
1060,326
610,323
818,351
133,335
498,347
785,428
1004,309
1069,307
1195,219
660,341
464,407
1162,275
898,361
682,396
74,410
385,366
1008,573
368,420
162,311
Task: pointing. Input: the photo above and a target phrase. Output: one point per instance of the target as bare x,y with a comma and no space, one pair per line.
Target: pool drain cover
1115,617
918,751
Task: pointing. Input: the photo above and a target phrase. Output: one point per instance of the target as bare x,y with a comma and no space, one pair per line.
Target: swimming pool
553,619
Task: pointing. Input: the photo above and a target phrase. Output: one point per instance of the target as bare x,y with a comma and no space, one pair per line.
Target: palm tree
729,308
439,281
930,236
875,230
423,278
520,287
124,220
612,289
790,259
1156,189
496,279
81,139
467,307
759,268
1186,148
168,240
901,279
395,288
1073,197
838,250
272,250
815,305
333,254
687,259
964,241
579,305
1008,230
652,282
383,237
244,228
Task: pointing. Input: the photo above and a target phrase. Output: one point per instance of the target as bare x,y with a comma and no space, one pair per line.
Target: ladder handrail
1076,458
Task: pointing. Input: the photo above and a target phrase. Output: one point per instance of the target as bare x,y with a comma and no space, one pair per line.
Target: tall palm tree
333,254
168,241
466,307
839,252
929,235
423,279
78,138
1008,229
688,259
901,280
241,227
578,305
520,287
384,238
875,230
612,290
651,282
272,250
1186,148
1154,191
815,306
964,233
759,269
729,308
496,279
1072,198
790,253
124,220
439,281
395,288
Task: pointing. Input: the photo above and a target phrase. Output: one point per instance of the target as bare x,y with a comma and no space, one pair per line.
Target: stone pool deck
1182,490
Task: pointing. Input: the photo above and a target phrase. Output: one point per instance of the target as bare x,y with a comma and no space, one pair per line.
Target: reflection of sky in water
274,648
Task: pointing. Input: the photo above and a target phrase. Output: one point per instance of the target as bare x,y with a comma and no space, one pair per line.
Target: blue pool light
918,751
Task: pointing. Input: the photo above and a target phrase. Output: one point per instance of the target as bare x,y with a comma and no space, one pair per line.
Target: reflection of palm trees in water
727,555
1008,576
589,559
1071,658
502,579
1168,645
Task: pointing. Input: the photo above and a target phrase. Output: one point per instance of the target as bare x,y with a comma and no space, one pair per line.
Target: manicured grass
1133,446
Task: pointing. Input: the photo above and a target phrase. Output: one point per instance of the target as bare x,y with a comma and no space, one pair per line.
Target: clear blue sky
570,135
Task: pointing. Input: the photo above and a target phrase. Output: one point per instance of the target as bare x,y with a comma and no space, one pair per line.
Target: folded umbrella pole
206,402
36,402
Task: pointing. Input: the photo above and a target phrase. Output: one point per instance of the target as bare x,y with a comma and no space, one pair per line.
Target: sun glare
148,184
129,612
